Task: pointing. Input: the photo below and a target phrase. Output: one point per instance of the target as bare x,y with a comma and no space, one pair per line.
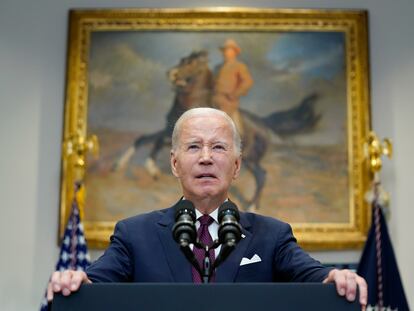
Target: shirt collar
213,214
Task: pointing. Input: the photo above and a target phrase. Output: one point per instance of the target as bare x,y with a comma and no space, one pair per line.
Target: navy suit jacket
142,249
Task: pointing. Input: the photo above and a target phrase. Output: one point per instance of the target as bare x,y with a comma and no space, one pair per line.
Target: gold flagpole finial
375,149
75,149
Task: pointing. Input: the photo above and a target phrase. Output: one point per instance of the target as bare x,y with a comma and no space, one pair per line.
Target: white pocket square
247,261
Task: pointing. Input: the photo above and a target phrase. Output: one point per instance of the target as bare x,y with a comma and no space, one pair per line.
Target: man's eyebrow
192,141
220,142
199,141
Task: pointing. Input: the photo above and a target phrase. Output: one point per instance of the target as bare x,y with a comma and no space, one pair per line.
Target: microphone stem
206,265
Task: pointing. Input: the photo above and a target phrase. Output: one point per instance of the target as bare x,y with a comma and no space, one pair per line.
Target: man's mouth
205,176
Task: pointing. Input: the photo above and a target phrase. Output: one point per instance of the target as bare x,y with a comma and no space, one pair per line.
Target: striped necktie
205,238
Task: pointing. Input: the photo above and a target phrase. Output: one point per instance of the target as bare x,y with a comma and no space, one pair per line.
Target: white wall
33,37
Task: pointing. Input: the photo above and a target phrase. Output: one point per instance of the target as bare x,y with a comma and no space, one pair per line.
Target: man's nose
205,156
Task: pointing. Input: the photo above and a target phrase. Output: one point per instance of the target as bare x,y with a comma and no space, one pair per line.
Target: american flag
73,251
378,265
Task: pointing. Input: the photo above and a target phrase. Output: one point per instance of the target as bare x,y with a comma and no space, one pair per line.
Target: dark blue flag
73,251
379,267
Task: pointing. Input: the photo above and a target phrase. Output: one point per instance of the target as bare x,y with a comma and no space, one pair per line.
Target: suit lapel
179,266
227,271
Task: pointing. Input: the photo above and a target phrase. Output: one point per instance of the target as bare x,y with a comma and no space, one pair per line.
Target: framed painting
304,113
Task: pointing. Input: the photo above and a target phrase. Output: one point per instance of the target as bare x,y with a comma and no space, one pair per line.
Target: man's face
229,53
205,160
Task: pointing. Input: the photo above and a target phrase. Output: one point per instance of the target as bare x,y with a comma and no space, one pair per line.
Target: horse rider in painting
232,80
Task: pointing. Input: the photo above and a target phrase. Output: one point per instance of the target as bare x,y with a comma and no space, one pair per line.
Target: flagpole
74,253
378,246
375,149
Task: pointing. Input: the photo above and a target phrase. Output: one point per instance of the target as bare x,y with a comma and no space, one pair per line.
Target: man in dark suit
206,158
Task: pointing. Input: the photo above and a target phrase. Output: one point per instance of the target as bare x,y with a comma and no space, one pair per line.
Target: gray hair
205,111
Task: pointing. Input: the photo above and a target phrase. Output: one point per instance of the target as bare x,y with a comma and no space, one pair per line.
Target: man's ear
237,167
173,162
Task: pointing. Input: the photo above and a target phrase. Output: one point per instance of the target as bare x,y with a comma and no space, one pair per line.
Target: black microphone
229,231
184,230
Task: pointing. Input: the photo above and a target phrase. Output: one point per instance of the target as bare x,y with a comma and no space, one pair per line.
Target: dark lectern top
204,297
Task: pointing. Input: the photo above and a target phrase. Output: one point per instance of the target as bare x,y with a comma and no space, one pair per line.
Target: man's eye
219,147
193,147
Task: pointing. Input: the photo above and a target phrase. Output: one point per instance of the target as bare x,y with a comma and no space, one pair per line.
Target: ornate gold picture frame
308,107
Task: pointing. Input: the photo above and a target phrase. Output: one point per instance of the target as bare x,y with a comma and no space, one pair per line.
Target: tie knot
205,220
